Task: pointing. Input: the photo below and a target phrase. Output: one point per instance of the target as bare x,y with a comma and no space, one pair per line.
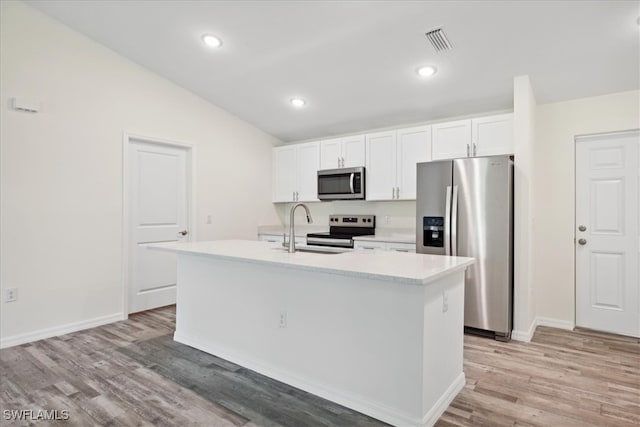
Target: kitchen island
379,332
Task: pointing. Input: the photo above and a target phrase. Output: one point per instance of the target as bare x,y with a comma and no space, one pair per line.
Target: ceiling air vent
438,40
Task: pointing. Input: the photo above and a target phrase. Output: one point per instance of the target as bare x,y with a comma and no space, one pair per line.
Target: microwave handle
351,182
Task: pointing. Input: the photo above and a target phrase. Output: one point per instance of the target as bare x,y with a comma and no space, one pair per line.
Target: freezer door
484,232
434,178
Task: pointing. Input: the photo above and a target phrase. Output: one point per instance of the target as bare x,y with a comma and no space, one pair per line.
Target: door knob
582,228
183,233
582,241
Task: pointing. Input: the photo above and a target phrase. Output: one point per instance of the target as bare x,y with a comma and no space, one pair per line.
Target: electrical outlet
11,294
283,319
387,219
445,301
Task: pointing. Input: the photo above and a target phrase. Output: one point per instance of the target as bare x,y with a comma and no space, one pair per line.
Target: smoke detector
439,40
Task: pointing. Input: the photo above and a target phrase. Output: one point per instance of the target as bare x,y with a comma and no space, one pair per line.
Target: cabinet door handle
339,166
475,149
293,196
393,193
467,150
297,196
397,192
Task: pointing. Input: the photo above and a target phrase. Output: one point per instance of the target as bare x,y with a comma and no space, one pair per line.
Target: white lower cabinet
278,239
384,246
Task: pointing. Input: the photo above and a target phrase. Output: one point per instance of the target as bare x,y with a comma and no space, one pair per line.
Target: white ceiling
354,61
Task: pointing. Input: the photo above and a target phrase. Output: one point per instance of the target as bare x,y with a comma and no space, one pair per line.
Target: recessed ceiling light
426,71
297,102
211,40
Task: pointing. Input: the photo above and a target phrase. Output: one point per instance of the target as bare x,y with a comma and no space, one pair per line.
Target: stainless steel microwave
341,184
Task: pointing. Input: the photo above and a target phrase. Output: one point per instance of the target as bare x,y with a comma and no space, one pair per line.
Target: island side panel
356,341
443,375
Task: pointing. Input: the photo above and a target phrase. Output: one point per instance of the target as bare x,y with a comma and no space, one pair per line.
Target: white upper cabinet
451,140
491,136
284,173
342,152
485,136
294,171
390,157
308,163
353,149
391,162
381,166
413,147
330,153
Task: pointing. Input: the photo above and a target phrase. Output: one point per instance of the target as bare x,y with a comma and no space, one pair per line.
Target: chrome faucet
292,234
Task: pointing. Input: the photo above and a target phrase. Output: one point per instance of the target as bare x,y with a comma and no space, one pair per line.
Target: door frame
576,139
127,139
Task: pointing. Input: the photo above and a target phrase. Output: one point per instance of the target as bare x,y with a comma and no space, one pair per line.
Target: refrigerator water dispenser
433,229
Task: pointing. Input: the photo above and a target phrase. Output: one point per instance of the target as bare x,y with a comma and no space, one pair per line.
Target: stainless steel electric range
342,230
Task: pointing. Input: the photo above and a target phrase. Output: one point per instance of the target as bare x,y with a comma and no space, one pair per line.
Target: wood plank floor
132,373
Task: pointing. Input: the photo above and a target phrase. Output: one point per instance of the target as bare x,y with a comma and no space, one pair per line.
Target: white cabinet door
413,146
401,247
274,239
284,173
451,140
307,165
381,166
353,149
330,153
492,136
342,152
369,245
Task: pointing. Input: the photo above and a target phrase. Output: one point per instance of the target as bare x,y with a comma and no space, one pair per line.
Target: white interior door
158,213
607,224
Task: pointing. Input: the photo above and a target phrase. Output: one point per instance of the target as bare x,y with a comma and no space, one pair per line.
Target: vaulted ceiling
355,62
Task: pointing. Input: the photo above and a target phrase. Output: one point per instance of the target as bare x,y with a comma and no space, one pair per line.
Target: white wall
61,189
524,108
554,150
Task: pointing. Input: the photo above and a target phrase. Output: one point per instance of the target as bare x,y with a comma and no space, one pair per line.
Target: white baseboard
373,409
525,336
555,323
55,331
443,403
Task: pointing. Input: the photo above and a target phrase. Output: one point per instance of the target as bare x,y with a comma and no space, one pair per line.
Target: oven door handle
351,182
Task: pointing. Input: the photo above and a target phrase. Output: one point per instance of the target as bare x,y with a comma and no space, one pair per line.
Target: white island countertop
409,268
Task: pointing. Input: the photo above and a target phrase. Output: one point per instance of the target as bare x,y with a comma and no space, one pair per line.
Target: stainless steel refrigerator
465,208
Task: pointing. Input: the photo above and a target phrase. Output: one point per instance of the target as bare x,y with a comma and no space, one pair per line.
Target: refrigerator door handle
454,221
447,222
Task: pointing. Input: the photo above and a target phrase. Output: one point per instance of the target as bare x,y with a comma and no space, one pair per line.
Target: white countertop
301,229
416,269
390,235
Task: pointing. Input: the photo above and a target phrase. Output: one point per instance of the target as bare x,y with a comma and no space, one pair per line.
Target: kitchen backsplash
392,214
